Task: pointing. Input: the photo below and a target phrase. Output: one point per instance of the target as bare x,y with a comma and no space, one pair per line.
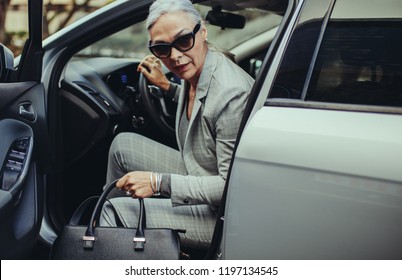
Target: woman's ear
204,32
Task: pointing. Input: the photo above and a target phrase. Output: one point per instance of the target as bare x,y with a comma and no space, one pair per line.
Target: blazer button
186,201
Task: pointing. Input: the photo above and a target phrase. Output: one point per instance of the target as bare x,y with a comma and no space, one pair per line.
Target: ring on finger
128,193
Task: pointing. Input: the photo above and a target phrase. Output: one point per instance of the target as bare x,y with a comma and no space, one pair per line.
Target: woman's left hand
151,68
136,184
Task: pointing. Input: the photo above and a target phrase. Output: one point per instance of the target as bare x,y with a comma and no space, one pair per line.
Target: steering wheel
156,105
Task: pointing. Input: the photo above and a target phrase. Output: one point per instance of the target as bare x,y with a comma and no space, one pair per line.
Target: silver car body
313,180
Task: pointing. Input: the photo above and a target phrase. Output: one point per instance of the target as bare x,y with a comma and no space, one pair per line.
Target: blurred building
17,19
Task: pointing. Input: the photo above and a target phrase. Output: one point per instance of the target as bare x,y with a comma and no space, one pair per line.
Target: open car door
23,143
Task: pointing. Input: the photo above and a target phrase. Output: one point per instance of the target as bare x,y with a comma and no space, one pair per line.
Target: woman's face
187,64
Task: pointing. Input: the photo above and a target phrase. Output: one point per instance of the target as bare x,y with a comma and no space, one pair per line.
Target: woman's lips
181,67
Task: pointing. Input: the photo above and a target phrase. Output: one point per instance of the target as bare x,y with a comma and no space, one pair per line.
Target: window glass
132,42
292,74
127,43
14,25
359,62
57,14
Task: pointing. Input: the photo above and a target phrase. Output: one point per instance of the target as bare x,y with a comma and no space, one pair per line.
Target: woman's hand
151,68
136,184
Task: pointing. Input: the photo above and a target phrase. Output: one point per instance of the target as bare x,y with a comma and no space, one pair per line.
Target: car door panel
16,151
26,102
24,146
325,183
23,159
19,211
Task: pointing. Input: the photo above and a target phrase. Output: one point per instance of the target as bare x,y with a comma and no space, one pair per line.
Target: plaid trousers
133,152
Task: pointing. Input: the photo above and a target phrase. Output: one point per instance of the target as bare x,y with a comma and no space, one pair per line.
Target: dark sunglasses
182,43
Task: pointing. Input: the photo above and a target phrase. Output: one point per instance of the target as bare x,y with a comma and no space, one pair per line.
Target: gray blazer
221,97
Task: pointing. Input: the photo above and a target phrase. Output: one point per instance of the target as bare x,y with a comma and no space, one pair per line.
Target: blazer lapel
180,107
201,92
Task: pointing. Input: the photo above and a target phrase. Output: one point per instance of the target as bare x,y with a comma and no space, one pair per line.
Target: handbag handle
81,210
89,237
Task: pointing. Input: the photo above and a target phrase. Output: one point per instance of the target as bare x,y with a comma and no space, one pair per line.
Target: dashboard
100,97
124,82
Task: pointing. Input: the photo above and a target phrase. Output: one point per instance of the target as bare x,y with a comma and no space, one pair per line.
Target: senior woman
210,107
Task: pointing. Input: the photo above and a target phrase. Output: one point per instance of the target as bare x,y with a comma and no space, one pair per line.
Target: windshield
132,42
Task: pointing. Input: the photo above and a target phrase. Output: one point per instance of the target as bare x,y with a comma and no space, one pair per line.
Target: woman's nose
175,54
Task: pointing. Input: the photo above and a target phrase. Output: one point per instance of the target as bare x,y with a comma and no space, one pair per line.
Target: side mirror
6,62
225,20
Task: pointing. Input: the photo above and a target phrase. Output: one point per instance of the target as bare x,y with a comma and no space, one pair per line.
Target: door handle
27,112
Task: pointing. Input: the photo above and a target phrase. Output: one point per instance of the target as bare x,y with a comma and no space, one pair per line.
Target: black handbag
80,242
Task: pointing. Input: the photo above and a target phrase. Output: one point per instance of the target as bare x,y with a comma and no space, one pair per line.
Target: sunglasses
182,43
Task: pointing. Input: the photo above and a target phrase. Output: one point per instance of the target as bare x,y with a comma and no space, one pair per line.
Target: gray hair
161,7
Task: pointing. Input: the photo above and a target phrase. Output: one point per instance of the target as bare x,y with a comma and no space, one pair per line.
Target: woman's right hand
136,184
151,68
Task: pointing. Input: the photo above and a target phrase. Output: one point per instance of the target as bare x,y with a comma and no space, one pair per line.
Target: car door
317,171
23,142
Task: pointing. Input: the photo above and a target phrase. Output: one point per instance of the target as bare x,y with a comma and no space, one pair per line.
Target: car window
56,15
132,42
15,30
295,64
357,60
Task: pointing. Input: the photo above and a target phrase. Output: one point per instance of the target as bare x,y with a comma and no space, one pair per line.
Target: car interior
100,94
61,120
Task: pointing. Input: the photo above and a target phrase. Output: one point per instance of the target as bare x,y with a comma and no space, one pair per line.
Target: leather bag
87,242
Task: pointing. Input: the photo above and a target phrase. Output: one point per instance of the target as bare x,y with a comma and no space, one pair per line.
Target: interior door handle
27,112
